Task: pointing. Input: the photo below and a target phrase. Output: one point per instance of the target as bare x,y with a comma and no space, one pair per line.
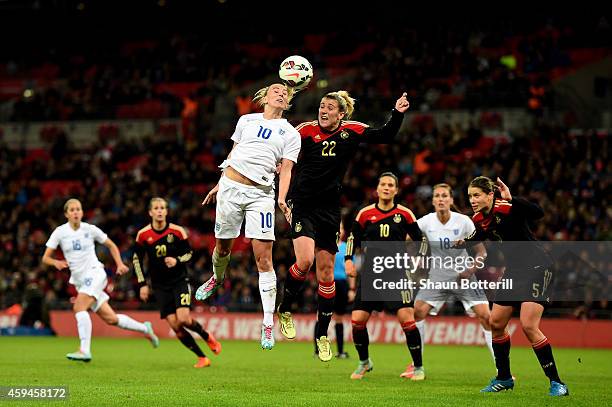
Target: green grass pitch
128,372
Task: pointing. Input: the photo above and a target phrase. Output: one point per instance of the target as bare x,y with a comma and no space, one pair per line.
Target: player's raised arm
389,130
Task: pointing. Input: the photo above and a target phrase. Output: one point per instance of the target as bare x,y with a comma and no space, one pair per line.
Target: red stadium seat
57,188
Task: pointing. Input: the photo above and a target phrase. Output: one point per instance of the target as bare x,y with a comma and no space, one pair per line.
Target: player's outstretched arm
388,131
402,104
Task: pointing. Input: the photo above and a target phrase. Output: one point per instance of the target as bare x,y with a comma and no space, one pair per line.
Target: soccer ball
295,71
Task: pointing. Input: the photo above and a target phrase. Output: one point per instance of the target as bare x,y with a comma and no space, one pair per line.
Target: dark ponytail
486,184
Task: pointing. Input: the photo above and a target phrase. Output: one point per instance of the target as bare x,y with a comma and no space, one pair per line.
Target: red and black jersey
374,224
171,241
509,222
325,157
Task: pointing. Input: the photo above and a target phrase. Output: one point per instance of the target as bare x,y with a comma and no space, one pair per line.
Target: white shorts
93,284
235,201
437,299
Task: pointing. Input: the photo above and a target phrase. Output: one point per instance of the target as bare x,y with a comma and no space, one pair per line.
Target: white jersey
260,146
441,238
78,247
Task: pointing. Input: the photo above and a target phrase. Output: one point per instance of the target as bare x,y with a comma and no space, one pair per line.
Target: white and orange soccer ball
296,71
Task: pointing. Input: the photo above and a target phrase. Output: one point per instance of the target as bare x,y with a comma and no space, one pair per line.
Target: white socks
84,328
267,291
126,322
421,327
489,341
219,265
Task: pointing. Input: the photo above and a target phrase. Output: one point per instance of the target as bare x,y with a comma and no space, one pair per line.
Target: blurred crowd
568,173
156,72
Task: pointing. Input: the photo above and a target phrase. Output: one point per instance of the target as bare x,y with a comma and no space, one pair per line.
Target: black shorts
169,298
341,300
320,224
390,306
529,285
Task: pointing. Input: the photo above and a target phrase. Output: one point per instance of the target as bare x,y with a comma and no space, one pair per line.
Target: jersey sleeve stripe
138,269
179,229
409,213
355,123
361,212
302,125
141,232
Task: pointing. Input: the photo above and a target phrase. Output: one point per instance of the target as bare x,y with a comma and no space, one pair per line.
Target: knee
420,312
484,321
530,329
497,324
305,264
77,308
264,263
222,251
325,273
183,320
110,319
326,278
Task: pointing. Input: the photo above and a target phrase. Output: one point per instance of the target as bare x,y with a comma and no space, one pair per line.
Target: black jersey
374,224
509,222
325,157
157,245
